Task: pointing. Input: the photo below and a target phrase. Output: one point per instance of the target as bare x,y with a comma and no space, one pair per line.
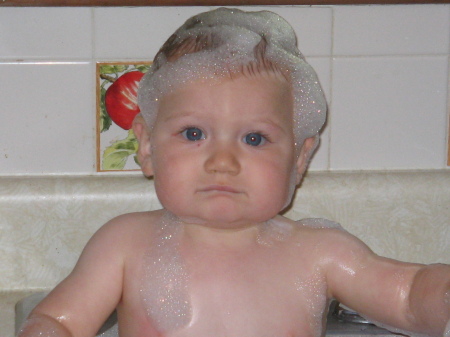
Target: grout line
56,61
329,119
448,114
94,97
390,56
93,33
448,101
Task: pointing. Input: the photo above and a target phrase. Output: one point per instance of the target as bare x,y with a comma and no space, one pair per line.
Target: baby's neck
226,238
229,237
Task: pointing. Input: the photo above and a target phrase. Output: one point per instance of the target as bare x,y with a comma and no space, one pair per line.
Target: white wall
385,71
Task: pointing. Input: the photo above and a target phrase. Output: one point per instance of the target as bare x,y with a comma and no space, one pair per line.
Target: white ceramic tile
312,26
139,32
389,113
46,118
390,30
136,33
45,33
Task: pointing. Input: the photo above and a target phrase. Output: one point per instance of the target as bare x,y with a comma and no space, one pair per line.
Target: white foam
43,326
274,231
319,223
234,34
164,280
314,290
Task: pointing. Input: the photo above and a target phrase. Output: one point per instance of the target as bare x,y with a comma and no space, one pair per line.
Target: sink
335,326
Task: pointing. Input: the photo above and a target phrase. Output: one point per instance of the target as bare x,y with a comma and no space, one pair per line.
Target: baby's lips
220,188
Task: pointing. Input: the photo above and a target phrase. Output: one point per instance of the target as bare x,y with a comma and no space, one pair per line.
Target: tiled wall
385,71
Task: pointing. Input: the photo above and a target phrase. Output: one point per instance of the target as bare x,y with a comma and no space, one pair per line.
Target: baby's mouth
219,188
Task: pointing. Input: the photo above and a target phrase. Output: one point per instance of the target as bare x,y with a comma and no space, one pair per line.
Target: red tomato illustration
121,99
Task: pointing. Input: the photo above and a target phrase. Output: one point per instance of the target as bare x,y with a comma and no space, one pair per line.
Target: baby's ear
142,133
308,147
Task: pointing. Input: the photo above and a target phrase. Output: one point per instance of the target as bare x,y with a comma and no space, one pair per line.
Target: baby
230,115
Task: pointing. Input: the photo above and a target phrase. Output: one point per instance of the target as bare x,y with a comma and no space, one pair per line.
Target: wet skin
242,278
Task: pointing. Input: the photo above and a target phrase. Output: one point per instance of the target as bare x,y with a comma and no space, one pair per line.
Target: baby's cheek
278,186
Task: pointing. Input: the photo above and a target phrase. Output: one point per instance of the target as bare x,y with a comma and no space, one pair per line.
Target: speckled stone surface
45,222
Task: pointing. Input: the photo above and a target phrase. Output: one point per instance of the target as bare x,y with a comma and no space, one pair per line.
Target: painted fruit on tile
121,99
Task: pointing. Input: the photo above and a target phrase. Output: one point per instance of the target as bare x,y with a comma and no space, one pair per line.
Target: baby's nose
223,160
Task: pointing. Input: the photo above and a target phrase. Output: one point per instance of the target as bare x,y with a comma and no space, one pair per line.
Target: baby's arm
81,303
429,298
407,296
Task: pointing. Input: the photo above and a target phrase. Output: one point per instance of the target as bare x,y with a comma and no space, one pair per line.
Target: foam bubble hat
214,44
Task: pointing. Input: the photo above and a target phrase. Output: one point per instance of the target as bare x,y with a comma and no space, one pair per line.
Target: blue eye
193,134
254,139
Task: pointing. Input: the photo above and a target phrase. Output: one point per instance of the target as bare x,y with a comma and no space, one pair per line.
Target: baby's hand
43,326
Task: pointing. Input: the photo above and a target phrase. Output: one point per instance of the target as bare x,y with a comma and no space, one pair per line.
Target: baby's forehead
247,80
268,83
250,98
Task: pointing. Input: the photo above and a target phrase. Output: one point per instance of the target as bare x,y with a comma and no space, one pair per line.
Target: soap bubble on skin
320,223
314,290
273,231
45,325
164,283
229,40
447,329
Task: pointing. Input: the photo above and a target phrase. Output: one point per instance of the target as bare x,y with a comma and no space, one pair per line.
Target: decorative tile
117,86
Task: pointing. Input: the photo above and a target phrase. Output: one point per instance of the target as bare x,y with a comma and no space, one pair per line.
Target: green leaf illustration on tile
113,68
115,156
143,68
104,121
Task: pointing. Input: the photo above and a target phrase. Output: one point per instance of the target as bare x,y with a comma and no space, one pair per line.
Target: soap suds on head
164,282
225,42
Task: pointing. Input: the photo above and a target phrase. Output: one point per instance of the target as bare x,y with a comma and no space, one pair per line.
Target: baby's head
226,43
231,109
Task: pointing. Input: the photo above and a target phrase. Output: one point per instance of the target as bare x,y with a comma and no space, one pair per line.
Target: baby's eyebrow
271,123
177,115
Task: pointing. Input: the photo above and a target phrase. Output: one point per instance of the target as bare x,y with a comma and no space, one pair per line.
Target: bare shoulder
329,241
120,238
96,284
129,226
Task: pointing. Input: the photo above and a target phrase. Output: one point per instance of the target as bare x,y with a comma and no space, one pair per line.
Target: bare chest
187,292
